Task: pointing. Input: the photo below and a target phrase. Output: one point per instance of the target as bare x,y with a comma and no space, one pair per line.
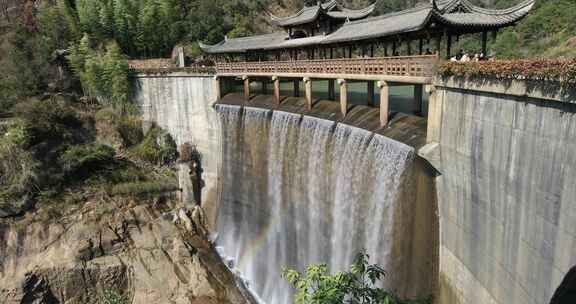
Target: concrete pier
384,102
343,96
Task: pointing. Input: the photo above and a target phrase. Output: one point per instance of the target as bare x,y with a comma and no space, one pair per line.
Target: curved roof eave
208,47
303,16
485,18
353,14
309,14
447,6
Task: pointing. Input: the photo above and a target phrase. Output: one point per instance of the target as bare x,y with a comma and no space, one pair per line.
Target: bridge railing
418,66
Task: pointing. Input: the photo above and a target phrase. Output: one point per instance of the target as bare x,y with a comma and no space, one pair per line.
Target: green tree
58,26
125,20
149,36
88,12
107,24
103,74
357,286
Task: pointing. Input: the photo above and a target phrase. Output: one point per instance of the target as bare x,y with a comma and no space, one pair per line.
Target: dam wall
181,103
507,190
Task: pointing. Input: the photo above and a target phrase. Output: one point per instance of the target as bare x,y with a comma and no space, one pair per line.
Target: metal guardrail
417,66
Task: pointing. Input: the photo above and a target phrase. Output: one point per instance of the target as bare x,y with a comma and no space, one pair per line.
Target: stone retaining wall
506,193
182,104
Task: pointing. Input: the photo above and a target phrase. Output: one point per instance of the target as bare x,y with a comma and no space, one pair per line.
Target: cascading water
301,190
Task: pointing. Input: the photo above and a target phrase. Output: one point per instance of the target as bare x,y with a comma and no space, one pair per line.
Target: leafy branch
357,286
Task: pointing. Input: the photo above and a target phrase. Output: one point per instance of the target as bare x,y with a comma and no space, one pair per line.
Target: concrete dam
472,205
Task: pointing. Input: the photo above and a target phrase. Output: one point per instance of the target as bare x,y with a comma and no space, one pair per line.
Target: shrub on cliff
357,286
81,160
145,188
50,119
117,129
18,170
158,148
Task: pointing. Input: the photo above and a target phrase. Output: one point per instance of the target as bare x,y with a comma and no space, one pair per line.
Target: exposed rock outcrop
148,253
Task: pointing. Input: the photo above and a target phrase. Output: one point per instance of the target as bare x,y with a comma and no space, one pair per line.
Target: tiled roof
454,13
382,26
239,45
331,8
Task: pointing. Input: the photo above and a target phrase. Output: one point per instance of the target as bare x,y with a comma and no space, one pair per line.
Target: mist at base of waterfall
297,191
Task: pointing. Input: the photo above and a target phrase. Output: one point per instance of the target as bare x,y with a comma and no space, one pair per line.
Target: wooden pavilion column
484,42
448,46
434,115
384,102
418,97
421,46
276,82
331,93
308,95
246,81
217,88
343,97
296,92
371,93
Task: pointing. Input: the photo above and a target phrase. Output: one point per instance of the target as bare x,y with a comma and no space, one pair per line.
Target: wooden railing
416,66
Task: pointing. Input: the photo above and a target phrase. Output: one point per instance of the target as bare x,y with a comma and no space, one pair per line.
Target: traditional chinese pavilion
330,30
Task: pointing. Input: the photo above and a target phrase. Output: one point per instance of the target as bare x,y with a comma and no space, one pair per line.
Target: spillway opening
409,99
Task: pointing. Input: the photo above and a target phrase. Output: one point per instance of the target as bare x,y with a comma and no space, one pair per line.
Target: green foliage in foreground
357,286
112,297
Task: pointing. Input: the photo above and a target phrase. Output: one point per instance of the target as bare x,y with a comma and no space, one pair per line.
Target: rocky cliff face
149,252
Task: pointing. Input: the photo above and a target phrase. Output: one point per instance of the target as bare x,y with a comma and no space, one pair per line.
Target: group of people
463,56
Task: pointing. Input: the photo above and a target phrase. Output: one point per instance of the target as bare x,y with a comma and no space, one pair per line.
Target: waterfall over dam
298,190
